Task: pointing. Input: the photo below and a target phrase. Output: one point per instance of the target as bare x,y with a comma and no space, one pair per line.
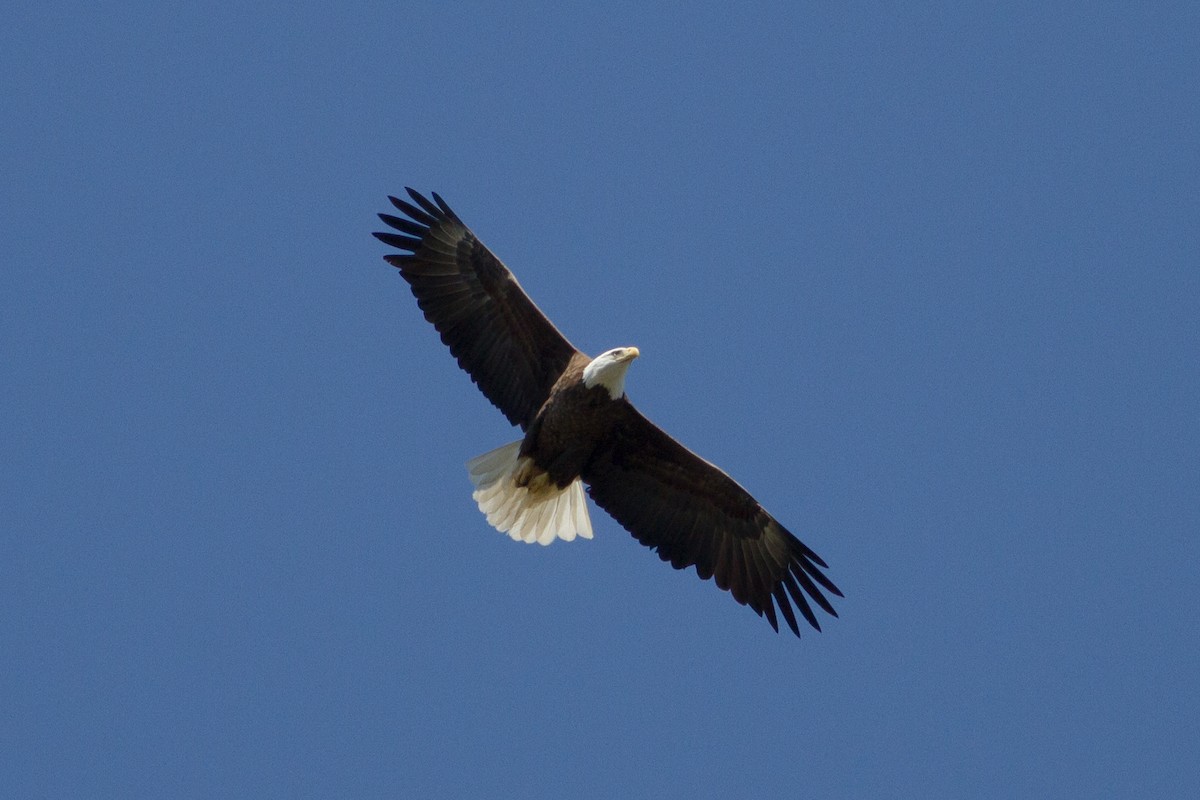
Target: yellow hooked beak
631,353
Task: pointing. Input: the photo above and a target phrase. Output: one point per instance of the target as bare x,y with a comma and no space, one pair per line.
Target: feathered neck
608,370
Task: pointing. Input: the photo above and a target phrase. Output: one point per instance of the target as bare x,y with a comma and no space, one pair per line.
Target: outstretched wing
503,341
693,514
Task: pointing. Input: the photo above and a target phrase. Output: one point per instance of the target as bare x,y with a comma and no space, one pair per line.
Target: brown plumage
580,426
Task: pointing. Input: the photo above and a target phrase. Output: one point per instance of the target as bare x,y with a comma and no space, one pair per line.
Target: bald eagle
580,428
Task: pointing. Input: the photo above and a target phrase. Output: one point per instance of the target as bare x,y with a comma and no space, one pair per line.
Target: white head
608,370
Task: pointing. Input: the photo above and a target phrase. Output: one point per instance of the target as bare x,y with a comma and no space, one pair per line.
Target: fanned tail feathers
540,514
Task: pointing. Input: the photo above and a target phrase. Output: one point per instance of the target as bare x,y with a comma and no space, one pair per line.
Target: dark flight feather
641,475
499,337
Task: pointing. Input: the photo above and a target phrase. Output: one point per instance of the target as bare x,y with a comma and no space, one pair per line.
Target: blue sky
924,279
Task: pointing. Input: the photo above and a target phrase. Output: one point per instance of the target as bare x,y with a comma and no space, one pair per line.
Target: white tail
539,514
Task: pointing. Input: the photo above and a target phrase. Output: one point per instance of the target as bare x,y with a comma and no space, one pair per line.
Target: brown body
563,437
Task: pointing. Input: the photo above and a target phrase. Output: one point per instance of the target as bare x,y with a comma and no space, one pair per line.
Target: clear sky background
924,278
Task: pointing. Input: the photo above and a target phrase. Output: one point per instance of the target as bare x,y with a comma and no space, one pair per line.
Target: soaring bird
580,429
